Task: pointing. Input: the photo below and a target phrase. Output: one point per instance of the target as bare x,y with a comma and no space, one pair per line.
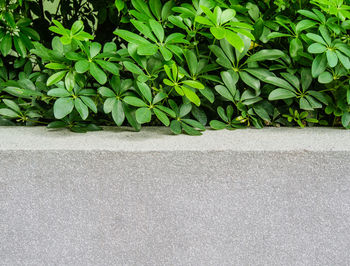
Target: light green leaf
157,29
63,107
82,66
109,66
143,115
325,78
234,40
332,58
118,113
134,101
11,104
263,55
280,94
317,48
8,113
175,127
55,78
161,116
81,108
89,103
217,125
98,73
145,91
193,84
192,96
319,65
6,44
106,92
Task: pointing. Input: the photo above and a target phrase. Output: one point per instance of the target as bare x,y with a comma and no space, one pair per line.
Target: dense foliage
183,64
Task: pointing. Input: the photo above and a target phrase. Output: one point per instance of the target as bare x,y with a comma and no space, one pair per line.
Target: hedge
182,64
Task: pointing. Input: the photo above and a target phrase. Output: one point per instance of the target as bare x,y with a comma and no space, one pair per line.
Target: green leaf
234,40
194,123
217,125
325,34
56,66
145,91
55,78
106,92
175,127
6,44
305,105
22,93
317,48
57,124
89,103
143,115
58,92
250,80
280,94
332,58
343,59
304,25
185,109
157,28
11,104
81,108
204,21
345,119
8,113
69,81
316,38
19,46
325,78
133,68
95,49
82,66
227,15
131,37
319,65
192,96
295,47
161,116
74,56
109,66
77,27
130,116
192,61
193,84
109,105
167,110
98,73
278,82
224,92
190,130
134,101
63,107
156,8
263,55
9,18
118,113
119,5
165,53
218,32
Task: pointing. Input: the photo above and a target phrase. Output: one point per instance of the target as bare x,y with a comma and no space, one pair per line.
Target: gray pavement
249,197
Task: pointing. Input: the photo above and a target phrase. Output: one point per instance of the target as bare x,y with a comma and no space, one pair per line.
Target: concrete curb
249,197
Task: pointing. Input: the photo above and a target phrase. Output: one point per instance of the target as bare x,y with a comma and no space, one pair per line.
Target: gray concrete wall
249,197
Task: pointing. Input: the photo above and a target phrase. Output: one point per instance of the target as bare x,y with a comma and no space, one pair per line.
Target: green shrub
182,64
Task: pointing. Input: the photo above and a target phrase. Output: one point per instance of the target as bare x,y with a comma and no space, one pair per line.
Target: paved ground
250,197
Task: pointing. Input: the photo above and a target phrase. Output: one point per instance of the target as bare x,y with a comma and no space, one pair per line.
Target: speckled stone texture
149,198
